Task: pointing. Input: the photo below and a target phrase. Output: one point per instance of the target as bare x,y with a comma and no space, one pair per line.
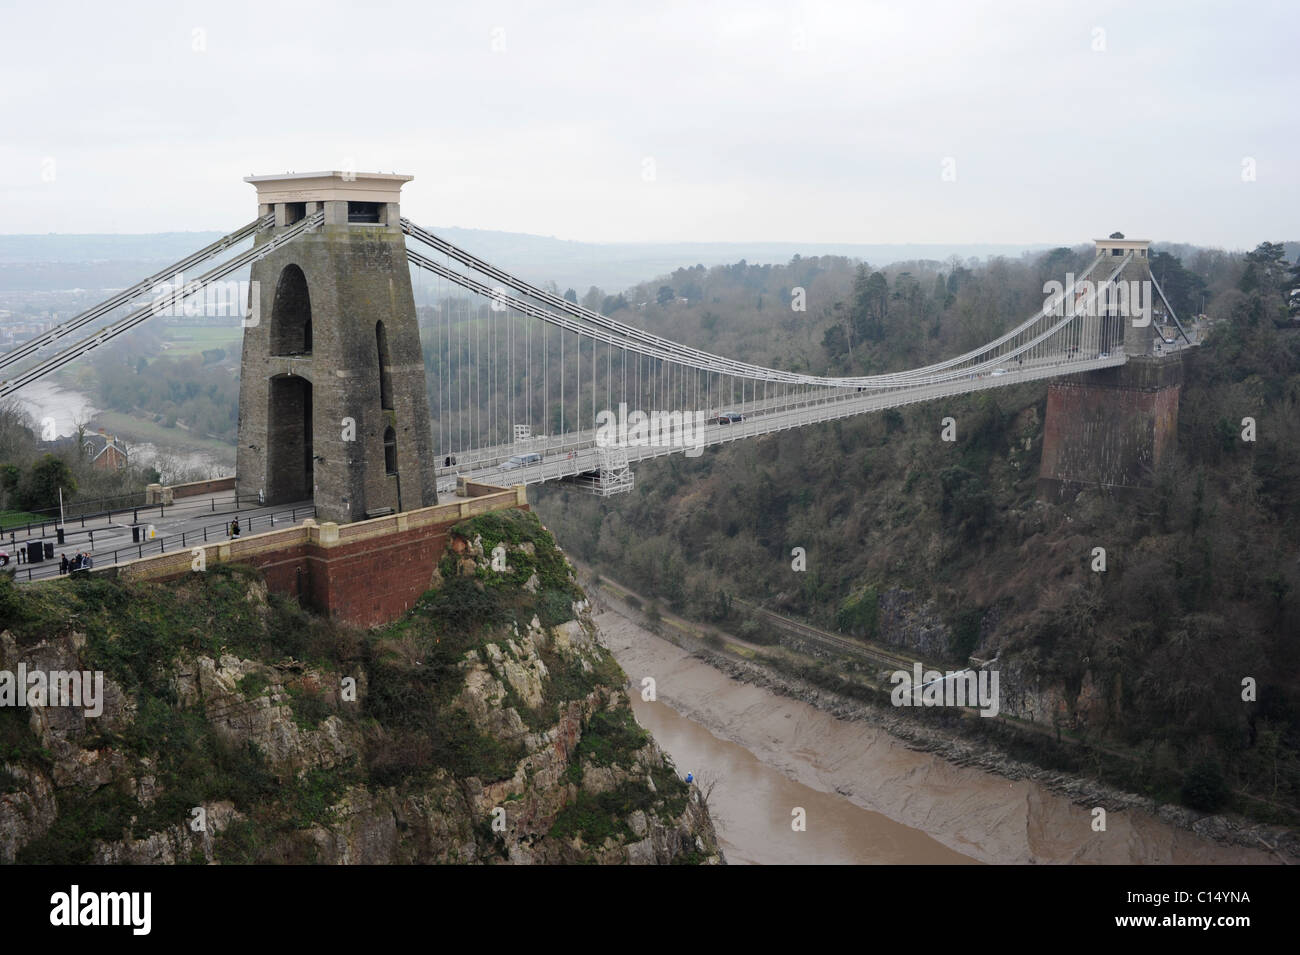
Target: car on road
727,417
999,371
521,461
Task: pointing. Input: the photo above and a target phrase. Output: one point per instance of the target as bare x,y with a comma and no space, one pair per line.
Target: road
576,452
108,538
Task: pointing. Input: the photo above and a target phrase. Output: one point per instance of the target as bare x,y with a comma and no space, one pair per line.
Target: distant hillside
56,262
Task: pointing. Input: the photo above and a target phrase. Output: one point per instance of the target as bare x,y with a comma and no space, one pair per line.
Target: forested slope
946,549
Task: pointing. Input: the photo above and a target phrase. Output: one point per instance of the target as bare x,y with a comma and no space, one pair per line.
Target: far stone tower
332,401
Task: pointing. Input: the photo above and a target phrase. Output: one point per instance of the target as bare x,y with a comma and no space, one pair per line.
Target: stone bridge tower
1112,427
332,400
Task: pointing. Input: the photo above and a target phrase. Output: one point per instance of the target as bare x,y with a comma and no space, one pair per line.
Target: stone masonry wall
1110,427
356,276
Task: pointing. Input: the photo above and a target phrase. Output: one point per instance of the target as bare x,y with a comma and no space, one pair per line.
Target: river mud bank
971,800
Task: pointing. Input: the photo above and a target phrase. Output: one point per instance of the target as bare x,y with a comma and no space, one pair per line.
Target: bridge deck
576,452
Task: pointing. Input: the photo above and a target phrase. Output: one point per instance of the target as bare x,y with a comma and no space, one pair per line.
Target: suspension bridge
523,385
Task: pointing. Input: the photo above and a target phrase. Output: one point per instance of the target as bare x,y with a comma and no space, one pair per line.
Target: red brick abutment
1110,428
366,573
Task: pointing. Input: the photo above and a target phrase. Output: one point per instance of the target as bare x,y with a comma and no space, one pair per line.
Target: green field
135,429
193,340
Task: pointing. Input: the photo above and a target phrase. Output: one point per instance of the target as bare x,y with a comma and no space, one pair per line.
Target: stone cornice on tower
333,185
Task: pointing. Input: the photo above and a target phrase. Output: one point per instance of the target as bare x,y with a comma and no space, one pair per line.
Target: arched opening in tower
290,455
390,451
385,375
291,314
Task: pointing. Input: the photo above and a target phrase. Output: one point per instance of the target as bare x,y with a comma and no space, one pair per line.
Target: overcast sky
625,121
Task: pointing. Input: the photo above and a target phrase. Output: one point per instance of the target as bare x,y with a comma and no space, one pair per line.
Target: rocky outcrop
301,748
913,624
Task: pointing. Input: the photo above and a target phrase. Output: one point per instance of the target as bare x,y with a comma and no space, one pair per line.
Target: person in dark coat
64,563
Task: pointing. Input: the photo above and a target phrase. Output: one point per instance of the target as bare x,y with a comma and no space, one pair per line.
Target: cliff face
488,725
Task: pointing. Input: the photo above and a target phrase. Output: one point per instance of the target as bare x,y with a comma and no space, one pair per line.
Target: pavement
190,521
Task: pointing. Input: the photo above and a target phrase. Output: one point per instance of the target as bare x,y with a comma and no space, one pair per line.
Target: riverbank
175,452
765,817
972,800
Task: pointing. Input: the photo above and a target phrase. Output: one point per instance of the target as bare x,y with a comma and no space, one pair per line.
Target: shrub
611,736
965,633
859,614
1204,788
253,684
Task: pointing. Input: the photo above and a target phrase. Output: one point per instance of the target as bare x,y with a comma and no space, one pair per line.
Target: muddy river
865,797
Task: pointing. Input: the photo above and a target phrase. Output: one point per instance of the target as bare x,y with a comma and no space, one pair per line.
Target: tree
40,488
836,342
17,439
1266,267
957,279
870,304
571,296
1268,276
1182,287
666,295
1293,290
940,292
1204,787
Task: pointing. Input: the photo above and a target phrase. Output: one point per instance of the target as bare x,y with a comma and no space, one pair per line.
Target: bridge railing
825,408
176,543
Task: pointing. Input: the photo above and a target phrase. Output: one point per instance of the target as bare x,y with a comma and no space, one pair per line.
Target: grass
253,684
514,530
610,737
599,817
309,709
135,429
183,341
10,519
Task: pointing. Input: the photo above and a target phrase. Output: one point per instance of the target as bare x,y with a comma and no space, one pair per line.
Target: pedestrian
234,527
88,563
76,562
64,563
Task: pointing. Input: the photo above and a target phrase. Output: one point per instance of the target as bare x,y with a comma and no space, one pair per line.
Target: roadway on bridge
577,453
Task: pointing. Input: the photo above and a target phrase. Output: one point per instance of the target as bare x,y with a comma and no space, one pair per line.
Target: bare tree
17,432
704,783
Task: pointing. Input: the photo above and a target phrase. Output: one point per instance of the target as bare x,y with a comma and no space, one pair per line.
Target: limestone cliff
488,725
